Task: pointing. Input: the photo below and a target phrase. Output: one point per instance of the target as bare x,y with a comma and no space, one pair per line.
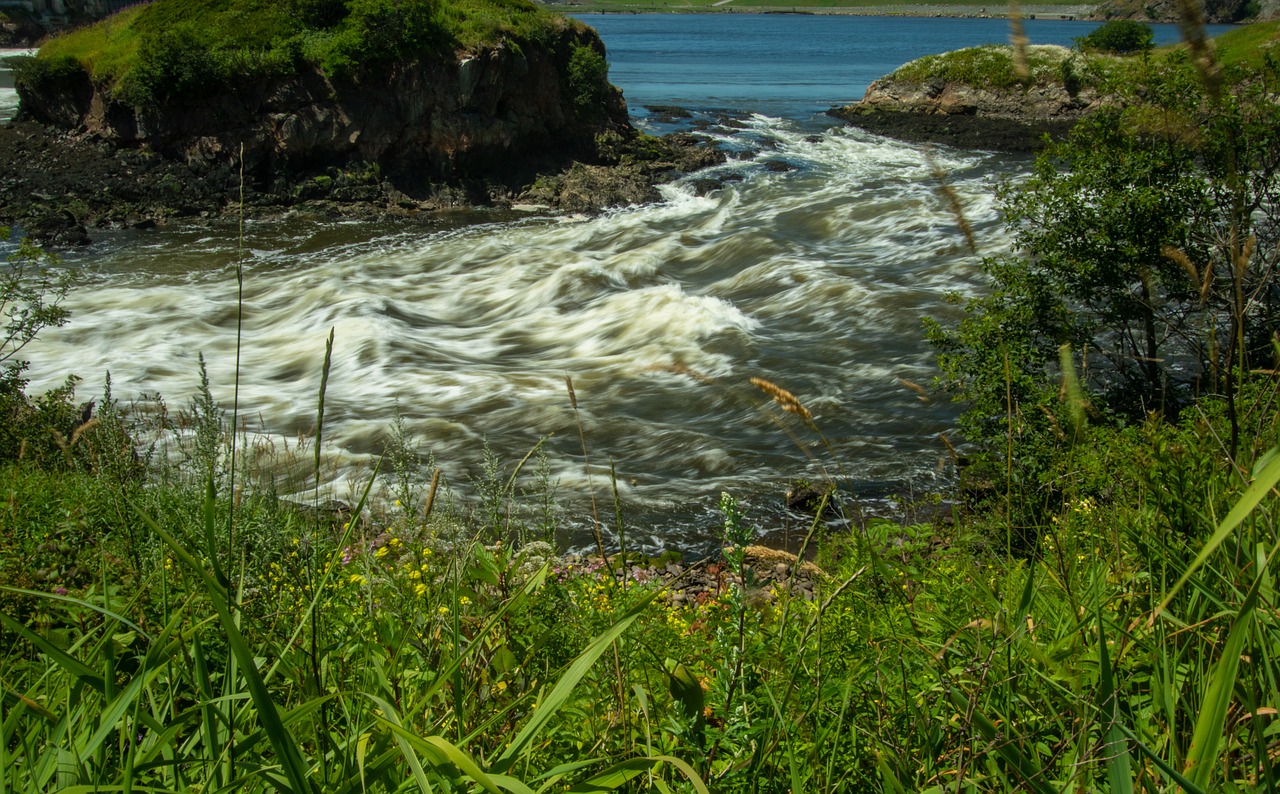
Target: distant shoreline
1081,12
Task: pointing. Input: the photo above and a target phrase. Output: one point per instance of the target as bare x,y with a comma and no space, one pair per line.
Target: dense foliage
1147,245
154,52
1119,36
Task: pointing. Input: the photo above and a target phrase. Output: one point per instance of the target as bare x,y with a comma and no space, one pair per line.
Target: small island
995,97
166,108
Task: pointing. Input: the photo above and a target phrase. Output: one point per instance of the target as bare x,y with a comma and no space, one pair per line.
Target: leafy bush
587,77
171,64
1119,36
1136,241
41,73
168,49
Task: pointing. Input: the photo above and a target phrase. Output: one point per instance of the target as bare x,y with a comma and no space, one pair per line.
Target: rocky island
378,106
972,98
991,97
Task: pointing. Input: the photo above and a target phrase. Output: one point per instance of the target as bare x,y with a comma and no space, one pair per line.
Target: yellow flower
356,578
464,601
393,542
415,575
382,552
501,686
419,589
397,503
442,611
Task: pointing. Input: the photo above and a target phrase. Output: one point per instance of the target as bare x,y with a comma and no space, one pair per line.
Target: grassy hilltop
147,49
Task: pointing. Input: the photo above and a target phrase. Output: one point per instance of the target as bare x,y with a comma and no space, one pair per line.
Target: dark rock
778,166
808,497
702,187
58,228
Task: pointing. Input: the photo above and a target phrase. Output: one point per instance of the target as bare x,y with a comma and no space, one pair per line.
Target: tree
1148,244
31,296
1120,36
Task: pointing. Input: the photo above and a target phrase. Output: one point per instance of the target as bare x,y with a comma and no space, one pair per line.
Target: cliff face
943,98
499,113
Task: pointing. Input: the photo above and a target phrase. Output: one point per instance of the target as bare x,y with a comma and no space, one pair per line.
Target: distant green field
861,6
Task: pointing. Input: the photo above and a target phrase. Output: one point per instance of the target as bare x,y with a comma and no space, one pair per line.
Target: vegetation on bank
1100,613
155,51
1112,64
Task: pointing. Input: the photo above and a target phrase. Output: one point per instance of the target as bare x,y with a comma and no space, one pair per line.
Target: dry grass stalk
785,399
1191,22
1202,284
65,444
573,396
921,392
1244,255
681,369
953,202
1018,38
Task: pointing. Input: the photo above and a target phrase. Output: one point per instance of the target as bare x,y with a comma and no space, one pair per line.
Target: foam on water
815,278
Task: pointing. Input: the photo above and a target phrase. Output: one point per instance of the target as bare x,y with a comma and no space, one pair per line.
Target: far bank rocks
501,125
979,108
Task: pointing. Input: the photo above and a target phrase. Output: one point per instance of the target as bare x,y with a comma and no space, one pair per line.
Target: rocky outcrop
500,113
1015,118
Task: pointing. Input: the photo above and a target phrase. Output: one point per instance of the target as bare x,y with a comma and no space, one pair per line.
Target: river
812,271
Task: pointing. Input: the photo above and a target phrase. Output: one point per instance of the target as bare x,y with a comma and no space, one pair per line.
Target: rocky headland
526,119
979,106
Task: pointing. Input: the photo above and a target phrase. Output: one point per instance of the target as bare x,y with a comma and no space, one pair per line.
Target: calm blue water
792,66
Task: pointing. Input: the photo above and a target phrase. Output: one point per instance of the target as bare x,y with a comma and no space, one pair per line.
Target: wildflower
356,578
397,503
501,686
442,611
464,601
393,542
60,590
415,575
382,552
419,589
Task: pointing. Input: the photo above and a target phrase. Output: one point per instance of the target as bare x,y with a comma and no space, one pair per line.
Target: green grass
150,52
1242,50
161,635
167,622
1249,45
877,6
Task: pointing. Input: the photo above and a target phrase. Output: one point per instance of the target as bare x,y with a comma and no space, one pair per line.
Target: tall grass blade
405,739
564,687
1262,484
1203,752
116,616
1115,749
1032,776
324,385
66,661
287,752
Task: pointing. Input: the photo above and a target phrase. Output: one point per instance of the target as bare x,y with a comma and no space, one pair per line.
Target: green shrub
39,73
587,78
172,64
1119,36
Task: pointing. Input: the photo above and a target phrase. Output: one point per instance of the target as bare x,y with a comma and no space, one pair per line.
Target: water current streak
812,268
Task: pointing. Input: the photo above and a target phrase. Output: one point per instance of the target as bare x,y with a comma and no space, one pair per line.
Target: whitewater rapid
811,268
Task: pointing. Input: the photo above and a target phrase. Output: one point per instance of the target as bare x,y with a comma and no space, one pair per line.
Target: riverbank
1066,10
58,186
